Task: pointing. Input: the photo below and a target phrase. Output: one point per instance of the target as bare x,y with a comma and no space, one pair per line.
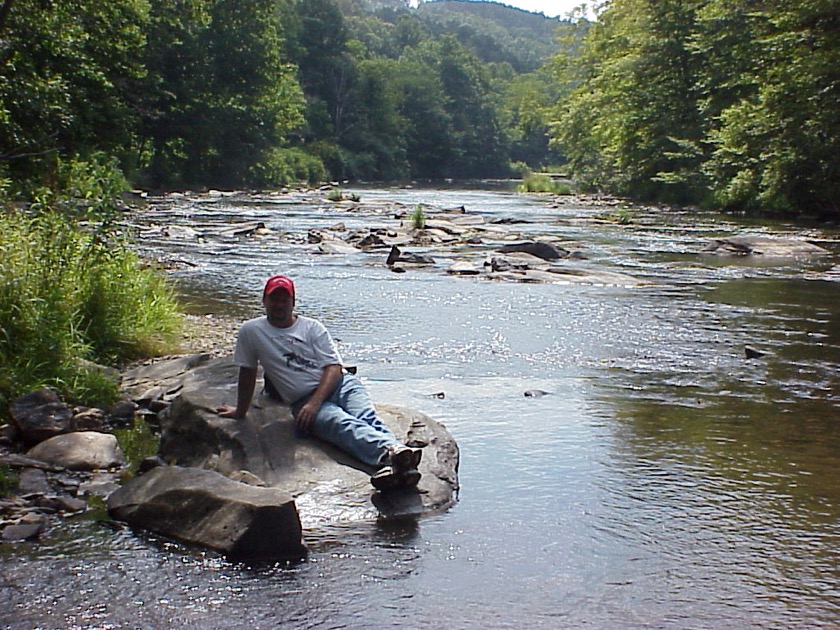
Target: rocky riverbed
453,240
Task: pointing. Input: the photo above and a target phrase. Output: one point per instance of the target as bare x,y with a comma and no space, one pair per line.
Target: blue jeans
348,420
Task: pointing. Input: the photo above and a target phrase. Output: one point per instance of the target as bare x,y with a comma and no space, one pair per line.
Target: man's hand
330,379
226,411
306,415
244,392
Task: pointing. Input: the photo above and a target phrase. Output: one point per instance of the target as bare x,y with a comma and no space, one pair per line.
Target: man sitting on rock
302,365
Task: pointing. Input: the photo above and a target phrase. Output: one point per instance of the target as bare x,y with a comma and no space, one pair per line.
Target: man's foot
387,479
402,471
411,478
404,458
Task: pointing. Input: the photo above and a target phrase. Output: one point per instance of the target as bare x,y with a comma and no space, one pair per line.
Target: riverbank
213,334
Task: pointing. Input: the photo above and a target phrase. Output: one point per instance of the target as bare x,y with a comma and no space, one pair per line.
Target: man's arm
329,380
244,393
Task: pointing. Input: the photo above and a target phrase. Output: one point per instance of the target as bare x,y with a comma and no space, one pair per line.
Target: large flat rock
769,246
328,486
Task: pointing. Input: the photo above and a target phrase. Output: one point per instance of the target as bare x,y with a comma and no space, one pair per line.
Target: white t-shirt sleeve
245,354
326,352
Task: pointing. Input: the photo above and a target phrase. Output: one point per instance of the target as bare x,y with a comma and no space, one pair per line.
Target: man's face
279,306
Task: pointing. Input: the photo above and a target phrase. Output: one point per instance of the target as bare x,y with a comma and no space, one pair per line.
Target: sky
551,8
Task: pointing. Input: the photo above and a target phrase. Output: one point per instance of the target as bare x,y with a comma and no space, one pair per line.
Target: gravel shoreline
213,334
200,334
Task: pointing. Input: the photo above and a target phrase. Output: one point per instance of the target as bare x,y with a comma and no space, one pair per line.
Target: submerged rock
566,275
463,268
763,245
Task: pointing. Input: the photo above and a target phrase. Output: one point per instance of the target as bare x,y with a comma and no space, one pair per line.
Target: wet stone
33,481
29,527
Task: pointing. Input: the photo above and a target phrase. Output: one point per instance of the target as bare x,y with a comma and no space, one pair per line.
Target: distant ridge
495,31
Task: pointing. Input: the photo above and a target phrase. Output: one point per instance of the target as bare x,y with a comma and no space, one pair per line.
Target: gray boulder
161,380
82,450
205,508
540,249
329,486
396,255
262,452
28,527
33,481
763,245
40,415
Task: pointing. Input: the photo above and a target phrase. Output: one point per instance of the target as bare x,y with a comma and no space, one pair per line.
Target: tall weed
543,183
72,292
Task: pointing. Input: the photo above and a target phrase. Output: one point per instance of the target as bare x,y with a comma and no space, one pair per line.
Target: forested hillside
731,104
495,32
214,93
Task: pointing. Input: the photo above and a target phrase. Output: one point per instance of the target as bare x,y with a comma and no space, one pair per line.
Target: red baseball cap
276,283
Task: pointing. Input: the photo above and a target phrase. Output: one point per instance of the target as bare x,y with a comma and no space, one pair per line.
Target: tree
222,95
776,145
427,125
327,74
632,123
373,136
68,70
527,101
478,141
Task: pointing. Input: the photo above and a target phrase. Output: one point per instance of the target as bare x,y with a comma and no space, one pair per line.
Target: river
665,480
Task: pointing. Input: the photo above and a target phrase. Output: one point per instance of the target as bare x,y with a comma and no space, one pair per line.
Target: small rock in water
753,354
29,527
536,393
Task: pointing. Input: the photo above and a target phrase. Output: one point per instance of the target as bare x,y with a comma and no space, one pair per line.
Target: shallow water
665,480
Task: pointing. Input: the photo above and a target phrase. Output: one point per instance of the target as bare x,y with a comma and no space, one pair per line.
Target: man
302,365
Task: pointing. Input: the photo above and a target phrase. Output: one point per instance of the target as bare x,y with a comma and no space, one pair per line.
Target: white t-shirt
293,358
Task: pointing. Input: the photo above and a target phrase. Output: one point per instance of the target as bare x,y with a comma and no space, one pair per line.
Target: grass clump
543,183
418,218
621,216
336,194
137,443
73,292
7,481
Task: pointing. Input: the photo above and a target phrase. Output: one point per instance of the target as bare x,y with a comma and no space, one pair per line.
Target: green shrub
622,216
543,183
71,292
418,218
289,166
520,168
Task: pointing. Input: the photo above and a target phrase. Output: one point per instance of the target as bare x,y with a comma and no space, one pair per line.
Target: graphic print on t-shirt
293,360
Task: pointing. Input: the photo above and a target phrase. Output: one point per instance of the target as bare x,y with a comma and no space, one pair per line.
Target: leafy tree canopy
730,104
